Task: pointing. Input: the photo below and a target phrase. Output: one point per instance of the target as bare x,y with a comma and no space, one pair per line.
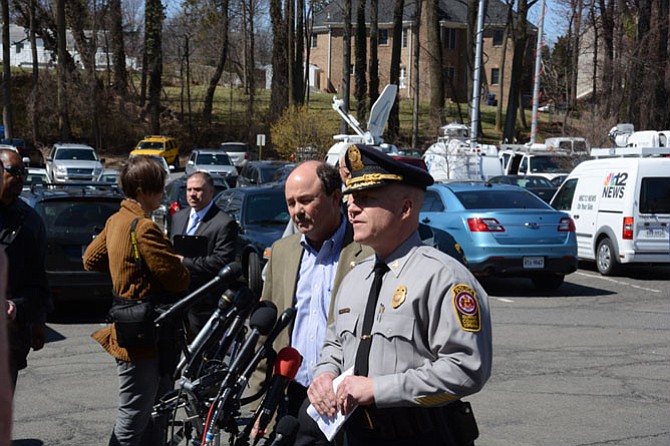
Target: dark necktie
363,353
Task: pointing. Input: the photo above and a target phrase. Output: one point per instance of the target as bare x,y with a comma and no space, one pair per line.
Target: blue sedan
262,216
504,231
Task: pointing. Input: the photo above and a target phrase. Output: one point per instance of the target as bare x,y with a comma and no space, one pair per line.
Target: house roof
454,11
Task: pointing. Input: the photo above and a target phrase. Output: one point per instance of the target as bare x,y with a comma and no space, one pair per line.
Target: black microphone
284,320
234,303
285,369
286,428
228,273
261,322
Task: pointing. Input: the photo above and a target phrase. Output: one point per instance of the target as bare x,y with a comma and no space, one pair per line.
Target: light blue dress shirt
313,293
201,214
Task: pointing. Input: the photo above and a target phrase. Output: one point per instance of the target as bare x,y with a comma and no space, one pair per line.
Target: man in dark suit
305,270
204,219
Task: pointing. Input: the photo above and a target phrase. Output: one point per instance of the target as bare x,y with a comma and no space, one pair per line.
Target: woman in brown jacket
141,381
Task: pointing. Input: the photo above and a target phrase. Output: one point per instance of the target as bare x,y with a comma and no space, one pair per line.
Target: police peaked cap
371,168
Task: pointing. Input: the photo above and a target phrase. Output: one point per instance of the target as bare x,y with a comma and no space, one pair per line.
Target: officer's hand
39,336
321,395
354,391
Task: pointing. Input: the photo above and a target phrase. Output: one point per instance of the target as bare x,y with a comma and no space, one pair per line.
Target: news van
620,203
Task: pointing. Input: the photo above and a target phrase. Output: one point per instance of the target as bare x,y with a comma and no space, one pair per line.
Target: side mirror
102,161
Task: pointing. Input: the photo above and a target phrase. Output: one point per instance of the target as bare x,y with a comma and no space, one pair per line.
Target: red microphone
286,367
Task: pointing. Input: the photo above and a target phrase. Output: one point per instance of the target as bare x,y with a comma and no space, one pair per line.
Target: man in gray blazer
204,219
305,269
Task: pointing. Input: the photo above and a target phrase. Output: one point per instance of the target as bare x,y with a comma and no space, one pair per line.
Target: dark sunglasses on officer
15,171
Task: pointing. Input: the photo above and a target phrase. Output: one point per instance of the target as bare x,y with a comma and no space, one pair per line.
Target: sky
553,21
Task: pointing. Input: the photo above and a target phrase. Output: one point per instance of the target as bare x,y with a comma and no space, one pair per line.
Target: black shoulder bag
134,318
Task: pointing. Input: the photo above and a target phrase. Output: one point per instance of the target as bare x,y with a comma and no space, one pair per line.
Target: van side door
574,198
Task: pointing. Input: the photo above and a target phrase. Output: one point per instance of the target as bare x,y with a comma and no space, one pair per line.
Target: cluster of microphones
241,330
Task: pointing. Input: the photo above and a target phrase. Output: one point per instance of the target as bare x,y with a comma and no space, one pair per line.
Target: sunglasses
15,171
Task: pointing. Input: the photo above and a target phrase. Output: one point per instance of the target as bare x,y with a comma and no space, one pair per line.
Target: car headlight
97,171
61,169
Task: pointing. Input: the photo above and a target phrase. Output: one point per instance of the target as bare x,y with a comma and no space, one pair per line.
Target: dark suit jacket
221,232
281,275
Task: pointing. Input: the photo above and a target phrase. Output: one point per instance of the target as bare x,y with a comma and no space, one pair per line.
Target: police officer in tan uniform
412,322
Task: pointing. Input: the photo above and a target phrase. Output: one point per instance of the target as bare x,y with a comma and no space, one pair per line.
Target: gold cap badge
399,296
355,159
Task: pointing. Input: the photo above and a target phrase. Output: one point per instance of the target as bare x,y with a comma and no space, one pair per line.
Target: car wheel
547,281
254,273
606,260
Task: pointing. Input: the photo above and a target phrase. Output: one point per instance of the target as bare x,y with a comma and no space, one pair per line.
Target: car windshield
76,154
266,208
499,199
551,164
150,145
76,215
266,172
213,159
532,182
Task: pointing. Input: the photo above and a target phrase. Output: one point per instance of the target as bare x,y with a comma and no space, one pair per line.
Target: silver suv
73,162
238,152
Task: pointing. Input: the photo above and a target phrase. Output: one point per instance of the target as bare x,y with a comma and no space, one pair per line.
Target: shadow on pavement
79,312
27,442
523,287
638,271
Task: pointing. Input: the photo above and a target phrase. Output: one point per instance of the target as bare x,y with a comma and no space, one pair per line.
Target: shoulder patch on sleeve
466,305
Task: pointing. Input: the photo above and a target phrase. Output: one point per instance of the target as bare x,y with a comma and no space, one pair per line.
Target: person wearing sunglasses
23,238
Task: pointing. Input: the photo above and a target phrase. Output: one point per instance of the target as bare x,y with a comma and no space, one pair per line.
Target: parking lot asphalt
588,364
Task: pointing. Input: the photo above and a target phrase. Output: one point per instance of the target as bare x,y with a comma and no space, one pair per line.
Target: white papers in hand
330,426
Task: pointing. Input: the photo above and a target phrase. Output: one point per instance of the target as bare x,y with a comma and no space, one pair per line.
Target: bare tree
154,54
63,114
222,13
360,64
394,76
520,42
6,73
434,53
346,61
279,93
417,73
118,48
373,66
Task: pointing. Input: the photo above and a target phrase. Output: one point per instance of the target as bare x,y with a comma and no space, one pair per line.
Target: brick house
326,49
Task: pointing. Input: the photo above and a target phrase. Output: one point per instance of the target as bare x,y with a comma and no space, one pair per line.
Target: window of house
314,40
497,37
403,78
449,38
495,76
405,32
19,48
383,37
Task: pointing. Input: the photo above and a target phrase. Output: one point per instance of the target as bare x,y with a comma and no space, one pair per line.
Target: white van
621,208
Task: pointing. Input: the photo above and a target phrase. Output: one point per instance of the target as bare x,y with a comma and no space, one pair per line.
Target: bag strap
133,241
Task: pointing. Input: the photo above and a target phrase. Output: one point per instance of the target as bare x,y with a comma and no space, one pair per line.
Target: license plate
656,232
533,262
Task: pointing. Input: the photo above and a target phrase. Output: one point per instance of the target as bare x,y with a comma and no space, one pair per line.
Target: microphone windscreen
288,362
263,319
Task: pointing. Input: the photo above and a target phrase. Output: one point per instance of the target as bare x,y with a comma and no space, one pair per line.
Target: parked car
159,159
280,175
262,216
504,231
109,176
238,152
216,162
159,145
73,162
258,173
558,180
31,156
174,199
35,175
73,216
538,185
